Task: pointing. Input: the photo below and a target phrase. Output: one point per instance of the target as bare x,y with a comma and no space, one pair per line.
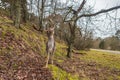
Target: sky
104,4
98,5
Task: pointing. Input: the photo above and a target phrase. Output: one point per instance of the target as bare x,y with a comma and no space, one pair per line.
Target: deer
50,45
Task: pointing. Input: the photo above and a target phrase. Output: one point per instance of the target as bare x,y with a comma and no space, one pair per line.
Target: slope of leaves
21,53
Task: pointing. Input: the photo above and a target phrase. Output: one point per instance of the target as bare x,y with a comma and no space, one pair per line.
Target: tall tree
102,44
118,34
12,7
72,26
41,13
17,13
24,10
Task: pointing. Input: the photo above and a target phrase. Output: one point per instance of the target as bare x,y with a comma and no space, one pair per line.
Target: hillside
20,53
22,57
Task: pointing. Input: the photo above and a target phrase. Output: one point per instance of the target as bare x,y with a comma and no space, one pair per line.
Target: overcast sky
98,5
102,4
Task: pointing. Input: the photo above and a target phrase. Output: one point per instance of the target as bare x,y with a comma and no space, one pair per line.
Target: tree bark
41,16
70,40
24,10
18,13
12,7
69,51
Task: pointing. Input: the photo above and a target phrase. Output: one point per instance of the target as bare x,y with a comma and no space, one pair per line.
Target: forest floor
22,57
19,53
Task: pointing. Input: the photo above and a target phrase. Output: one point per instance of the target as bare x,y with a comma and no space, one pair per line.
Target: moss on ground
59,74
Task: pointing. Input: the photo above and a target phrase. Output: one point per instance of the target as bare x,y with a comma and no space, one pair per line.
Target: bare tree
73,20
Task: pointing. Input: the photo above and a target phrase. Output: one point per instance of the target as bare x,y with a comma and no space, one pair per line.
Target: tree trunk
70,46
18,13
31,9
12,7
41,16
24,10
69,51
71,39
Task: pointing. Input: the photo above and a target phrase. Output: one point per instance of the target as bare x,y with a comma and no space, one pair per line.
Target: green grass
59,74
106,59
60,50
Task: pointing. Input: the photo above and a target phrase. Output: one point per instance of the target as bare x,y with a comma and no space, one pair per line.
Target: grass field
104,58
105,66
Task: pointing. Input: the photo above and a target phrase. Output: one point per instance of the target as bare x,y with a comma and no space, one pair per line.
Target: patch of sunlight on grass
60,50
59,74
118,77
104,58
60,61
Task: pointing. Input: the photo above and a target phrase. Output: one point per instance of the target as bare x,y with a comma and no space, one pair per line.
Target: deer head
51,27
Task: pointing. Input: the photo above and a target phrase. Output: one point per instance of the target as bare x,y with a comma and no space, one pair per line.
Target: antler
52,23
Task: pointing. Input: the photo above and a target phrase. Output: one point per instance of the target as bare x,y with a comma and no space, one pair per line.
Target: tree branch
81,6
99,12
66,15
74,11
